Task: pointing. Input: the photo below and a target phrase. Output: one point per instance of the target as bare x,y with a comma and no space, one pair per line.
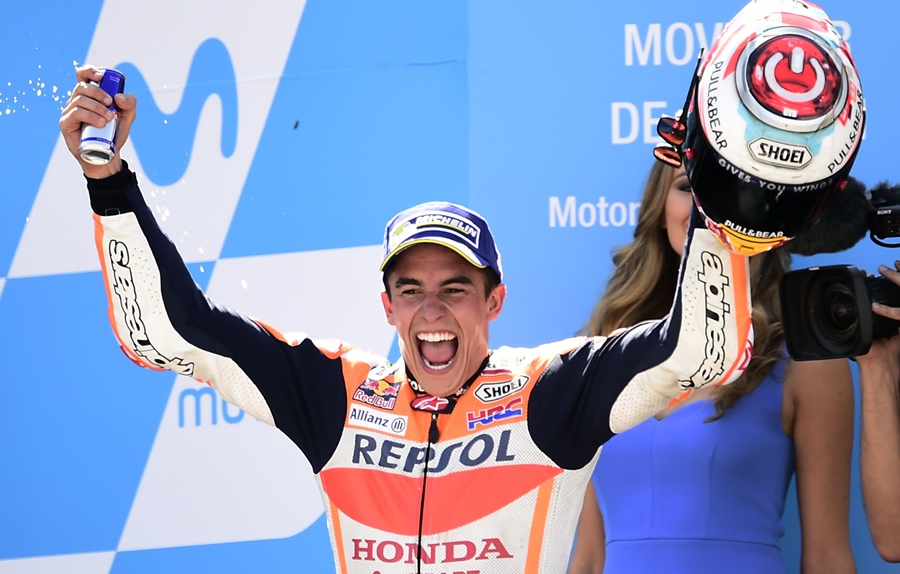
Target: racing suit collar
417,388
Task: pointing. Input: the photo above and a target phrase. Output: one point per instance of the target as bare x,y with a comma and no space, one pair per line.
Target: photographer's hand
879,375
894,276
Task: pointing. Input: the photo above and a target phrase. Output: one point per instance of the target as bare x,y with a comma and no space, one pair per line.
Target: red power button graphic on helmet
792,76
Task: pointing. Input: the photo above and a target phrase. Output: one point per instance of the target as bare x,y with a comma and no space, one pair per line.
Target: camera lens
839,312
826,312
834,312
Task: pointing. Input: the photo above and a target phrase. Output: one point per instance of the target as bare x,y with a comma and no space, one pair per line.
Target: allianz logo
374,419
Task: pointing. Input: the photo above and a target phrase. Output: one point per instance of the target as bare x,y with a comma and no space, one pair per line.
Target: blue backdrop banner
274,140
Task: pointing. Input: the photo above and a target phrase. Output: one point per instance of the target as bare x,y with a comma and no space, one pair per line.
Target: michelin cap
446,224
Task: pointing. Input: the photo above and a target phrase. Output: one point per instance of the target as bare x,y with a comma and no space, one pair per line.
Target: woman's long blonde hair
643,284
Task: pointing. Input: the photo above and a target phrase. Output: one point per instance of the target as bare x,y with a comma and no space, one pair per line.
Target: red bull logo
378,393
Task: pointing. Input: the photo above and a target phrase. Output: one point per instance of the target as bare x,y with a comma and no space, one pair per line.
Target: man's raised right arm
164,321
155,307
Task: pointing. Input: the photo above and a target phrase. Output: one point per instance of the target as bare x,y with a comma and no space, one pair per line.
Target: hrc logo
489,416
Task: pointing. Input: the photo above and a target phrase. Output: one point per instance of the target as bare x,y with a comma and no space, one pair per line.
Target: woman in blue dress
702,486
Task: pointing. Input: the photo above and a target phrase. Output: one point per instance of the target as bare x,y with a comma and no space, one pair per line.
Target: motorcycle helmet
771,126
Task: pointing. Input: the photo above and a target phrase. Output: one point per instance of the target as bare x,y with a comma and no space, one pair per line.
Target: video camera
827,311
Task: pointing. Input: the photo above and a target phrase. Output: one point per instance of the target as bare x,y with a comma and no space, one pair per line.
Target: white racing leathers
487,482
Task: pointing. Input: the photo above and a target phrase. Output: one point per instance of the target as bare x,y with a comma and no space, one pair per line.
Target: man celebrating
457,458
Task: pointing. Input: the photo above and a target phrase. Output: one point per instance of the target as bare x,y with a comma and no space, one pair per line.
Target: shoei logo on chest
490,392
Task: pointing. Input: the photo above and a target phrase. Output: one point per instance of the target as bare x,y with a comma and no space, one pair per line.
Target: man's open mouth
437,349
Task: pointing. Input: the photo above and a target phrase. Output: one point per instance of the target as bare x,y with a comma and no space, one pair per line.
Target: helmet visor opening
749,205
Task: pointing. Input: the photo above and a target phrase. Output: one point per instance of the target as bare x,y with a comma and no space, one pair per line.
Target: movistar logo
211,74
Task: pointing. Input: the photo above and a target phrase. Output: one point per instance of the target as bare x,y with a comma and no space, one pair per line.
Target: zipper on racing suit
441,405
433,434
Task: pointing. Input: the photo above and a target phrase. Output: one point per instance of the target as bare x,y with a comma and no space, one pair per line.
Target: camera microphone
844,223
884,220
